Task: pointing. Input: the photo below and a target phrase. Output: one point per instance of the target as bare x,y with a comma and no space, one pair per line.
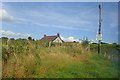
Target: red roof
49,38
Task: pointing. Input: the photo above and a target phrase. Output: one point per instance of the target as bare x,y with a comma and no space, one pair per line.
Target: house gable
58,39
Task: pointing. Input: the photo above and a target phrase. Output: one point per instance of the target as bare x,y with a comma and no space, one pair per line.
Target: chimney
44,35
58,34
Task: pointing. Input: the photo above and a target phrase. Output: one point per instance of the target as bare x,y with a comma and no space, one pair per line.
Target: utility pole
99,35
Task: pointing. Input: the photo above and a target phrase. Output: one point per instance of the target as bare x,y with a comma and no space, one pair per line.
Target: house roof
49,38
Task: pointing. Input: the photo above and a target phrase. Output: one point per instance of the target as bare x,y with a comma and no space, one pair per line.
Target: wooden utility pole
99,35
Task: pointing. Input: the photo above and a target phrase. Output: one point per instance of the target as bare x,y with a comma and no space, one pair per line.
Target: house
54,38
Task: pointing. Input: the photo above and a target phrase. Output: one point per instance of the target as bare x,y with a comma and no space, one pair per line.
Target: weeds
36,59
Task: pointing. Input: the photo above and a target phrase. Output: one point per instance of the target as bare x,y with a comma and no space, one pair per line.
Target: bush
4,54
85,43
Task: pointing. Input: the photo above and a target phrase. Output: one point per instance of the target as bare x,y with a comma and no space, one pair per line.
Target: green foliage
4,53
41,59
4,40
108,48
29,38
85,42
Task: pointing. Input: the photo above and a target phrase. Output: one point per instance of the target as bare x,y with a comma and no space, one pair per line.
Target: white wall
57,40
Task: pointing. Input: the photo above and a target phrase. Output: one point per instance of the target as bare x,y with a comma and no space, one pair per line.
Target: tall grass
35,59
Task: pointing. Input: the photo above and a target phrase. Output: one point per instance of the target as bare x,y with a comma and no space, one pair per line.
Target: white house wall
57,40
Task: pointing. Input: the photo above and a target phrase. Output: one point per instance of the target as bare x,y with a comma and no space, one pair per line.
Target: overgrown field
35,59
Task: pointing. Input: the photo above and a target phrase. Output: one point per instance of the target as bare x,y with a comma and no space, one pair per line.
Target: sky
73,20
59,0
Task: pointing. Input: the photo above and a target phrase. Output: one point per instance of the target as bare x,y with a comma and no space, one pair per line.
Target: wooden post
99,31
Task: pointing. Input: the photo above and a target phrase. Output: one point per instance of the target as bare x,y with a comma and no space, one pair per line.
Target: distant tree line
6,38
85,41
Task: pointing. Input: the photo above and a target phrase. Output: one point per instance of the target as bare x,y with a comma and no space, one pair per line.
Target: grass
66,60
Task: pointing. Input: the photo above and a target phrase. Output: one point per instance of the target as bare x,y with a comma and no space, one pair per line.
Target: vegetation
23,58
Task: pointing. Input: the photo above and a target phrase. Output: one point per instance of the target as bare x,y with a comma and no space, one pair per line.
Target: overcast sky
73,20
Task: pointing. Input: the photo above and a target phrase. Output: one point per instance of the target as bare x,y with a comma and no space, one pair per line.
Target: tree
85,42
4,40
12,39
115,43
29,38
33,39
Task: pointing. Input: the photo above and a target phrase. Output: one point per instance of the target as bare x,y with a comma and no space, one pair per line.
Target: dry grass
67,60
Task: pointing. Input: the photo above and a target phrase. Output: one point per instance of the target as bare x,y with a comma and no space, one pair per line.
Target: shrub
29,38
85,42
4,54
